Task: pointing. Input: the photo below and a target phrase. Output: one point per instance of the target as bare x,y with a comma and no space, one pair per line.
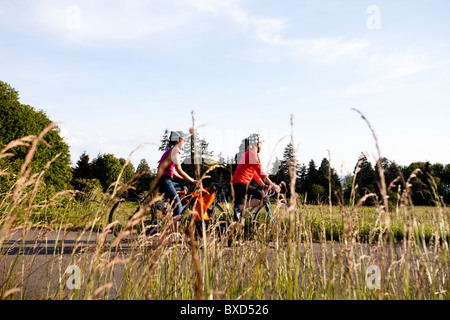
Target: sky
116,74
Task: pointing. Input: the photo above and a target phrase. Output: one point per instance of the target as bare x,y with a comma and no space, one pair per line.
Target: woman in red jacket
249,168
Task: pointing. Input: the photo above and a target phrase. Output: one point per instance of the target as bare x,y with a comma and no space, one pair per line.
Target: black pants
244,191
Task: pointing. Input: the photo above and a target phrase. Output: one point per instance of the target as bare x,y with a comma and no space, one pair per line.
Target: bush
86,186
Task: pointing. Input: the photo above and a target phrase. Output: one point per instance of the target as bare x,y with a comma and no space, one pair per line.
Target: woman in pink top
169,167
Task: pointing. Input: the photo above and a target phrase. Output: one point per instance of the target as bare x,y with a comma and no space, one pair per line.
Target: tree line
426,182
314,182
422,183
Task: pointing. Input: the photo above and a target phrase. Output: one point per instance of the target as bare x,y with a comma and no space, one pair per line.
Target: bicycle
257,221
141,215
144,215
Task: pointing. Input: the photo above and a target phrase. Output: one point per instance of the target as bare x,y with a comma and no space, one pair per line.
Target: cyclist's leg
176,201
166,186
177,186
240,197
254,198
169,189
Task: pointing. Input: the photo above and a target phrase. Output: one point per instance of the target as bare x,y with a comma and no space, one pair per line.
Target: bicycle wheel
263,225
127,216
224,226
220,218
154,218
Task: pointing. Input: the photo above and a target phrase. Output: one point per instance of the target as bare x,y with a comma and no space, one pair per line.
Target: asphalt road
40,261
42,257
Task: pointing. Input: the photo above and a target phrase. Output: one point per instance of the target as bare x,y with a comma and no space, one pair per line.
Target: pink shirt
171,167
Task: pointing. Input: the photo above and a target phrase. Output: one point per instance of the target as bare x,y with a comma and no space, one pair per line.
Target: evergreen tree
143,169
421,184
83,175
145,177
313,189
326,178
243,147
287,162
221,160
446,183
275,167
323,173
83,169
164,141
128,171
288,166
196,157
311,174
365,178
203,148
302,175
222,174
191,152
391,174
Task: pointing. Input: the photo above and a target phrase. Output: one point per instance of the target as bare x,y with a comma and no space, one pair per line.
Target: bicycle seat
221,186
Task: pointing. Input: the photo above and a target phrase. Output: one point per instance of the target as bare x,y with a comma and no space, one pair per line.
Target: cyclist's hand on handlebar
275,187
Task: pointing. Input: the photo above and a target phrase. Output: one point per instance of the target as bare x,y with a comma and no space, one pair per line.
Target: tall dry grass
311,252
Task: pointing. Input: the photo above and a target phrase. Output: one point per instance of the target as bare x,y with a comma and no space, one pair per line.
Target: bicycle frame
266,206
223,197
253,211
187,198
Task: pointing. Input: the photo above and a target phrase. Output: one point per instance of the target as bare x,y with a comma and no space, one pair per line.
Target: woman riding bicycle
170,167
249,168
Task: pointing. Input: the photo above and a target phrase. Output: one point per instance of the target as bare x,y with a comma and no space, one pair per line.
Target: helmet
177,135
254,139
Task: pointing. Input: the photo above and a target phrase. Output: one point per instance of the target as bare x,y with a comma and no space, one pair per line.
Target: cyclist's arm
258,179
260,176
266,181
176,174
272,185
179,172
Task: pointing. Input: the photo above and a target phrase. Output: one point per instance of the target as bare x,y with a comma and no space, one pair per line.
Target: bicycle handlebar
270,195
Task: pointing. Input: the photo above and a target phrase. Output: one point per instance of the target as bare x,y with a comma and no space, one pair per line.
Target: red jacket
249,168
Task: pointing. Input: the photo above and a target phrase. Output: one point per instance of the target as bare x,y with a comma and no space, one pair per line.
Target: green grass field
312,252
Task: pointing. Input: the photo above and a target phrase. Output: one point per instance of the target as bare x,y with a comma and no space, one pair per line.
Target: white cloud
71,139
269,31
328,48
94,22
389,69
278,89
212,6
402,65
88,22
